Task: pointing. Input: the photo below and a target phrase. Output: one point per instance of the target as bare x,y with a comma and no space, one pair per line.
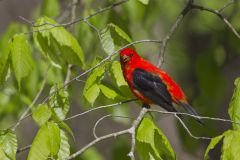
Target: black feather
152,87
190,110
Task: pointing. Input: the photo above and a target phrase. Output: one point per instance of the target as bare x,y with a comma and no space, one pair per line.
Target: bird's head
127,55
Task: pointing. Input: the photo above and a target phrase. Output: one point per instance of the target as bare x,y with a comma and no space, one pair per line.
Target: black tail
190,110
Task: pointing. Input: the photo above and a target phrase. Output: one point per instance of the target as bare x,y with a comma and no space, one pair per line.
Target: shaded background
203,56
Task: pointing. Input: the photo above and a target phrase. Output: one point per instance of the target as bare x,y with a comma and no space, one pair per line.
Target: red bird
152,85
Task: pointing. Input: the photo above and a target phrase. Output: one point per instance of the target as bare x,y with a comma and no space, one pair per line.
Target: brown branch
218,13
171,31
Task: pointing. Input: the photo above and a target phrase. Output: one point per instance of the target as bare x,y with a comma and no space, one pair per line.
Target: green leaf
46,143
109,93
50,8
234,108
42,114
211,145
107,41
91,89
21,57
120,32
66,128
152,143
57,43
64,150
4,65
116,72
59,101
92,93
231,147
144,1
8,145
92,154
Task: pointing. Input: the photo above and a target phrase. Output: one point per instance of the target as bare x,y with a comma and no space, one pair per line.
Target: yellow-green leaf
8,145
116,72
211,145
46,143
42,114
21,57
152,143
234,108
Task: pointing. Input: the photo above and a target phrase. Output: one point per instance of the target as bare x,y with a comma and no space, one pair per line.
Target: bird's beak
125,58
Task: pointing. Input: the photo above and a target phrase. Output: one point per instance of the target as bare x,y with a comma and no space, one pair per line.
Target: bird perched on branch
152,85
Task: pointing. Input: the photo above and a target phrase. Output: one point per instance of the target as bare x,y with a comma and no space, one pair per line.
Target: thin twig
100,107
171,31
116,134
23,149
133,129
189,132
216,12
78,19
25,113
102,118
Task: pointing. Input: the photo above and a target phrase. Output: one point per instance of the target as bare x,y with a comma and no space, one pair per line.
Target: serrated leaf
57,43
66,128
42,114
116,72
212,144
234,108
152,142
145,2
231,147
107,41
109,93
59,101
64,150
4,66
46,143
8,145
92,93
50,8
21,57
91,89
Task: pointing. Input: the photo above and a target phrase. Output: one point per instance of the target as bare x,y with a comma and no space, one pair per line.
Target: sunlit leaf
41,114
109,92
91,89
21,57
57,43
64,150
92,93
231,147
120,32
116,72
234,108
211,145
59,101
8,145
151,142
46,143
107,41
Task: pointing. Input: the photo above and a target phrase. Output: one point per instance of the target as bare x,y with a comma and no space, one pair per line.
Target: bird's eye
126,58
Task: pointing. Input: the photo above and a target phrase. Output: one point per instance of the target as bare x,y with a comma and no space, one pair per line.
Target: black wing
152,87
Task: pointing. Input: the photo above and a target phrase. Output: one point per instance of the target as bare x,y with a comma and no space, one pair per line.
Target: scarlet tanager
152,85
